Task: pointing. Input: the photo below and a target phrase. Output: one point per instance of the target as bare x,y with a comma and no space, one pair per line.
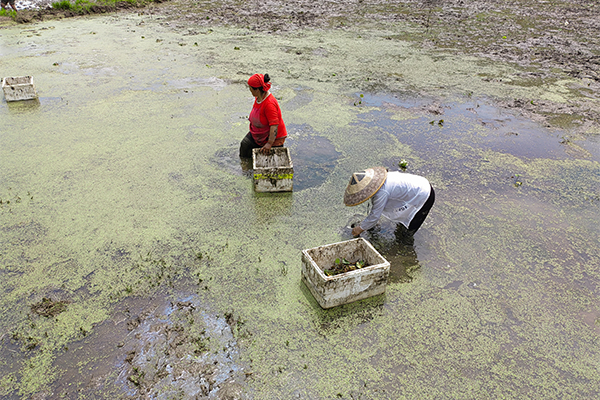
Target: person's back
400,197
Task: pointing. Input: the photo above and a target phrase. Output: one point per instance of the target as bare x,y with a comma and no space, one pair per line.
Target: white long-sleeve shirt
399,199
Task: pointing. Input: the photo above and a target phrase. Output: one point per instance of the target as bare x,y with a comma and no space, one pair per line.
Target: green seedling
341,265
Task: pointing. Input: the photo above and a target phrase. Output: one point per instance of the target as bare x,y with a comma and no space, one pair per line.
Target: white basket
18,88
273,172
335,290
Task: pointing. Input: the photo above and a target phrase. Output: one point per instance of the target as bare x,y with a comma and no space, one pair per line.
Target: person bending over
400,197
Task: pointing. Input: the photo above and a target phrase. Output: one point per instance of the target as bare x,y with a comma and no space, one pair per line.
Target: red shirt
262,117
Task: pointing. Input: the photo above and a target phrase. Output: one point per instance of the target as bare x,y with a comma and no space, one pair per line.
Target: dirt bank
538,33
550,37
543,34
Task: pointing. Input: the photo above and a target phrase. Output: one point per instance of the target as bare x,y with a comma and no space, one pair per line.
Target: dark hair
266,78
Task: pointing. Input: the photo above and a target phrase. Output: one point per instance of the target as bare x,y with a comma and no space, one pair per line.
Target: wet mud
157,347
548,40
123,200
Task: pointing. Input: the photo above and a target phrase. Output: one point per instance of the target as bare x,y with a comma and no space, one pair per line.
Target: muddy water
122,195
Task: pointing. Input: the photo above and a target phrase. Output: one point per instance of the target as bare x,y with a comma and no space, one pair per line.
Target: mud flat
129,230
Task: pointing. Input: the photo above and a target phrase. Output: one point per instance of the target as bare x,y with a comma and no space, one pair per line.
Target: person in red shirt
266,125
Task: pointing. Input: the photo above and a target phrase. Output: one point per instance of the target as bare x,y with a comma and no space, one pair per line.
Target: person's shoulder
395,176
271,99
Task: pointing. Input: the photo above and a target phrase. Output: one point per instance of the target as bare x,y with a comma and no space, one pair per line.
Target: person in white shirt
400,197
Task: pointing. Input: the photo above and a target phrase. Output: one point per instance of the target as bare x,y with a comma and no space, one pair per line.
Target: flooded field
137,261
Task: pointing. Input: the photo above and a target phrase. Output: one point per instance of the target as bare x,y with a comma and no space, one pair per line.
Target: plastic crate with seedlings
344,272
273,172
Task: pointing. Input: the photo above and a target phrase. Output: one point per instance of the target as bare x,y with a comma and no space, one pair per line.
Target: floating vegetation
342,265
13,198
359,102
403,164
517,181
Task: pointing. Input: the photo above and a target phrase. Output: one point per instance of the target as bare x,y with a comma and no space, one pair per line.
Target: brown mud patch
154,347
48,307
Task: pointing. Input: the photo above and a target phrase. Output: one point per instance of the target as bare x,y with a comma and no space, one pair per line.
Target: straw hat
363,185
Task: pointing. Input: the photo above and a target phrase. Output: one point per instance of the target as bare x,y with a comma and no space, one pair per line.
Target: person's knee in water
247,145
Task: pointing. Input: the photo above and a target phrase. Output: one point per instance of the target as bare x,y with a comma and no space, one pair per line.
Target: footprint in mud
313,157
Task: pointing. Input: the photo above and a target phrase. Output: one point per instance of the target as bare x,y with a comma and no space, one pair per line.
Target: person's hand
357,230
266,149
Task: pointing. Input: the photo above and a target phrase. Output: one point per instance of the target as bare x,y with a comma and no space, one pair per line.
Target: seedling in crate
342,265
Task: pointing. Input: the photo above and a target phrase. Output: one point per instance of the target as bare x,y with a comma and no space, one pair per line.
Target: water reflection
23,106
427,126
302,97
344,316
314,157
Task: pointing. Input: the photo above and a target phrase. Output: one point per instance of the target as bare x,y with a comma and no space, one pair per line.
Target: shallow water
122,183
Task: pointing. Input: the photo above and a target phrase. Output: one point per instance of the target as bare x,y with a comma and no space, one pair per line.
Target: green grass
62,5
81,5
8,13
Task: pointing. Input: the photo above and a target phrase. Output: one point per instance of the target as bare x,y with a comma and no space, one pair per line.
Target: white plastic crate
273,172
335,290
18,88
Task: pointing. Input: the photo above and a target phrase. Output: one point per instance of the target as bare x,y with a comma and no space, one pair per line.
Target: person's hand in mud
357,230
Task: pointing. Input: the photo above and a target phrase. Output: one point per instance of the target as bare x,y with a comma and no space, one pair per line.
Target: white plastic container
273,172
335,290
18,88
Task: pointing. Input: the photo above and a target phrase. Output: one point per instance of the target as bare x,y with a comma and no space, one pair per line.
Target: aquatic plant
8,13
62,5
83,6
48,307
341,265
